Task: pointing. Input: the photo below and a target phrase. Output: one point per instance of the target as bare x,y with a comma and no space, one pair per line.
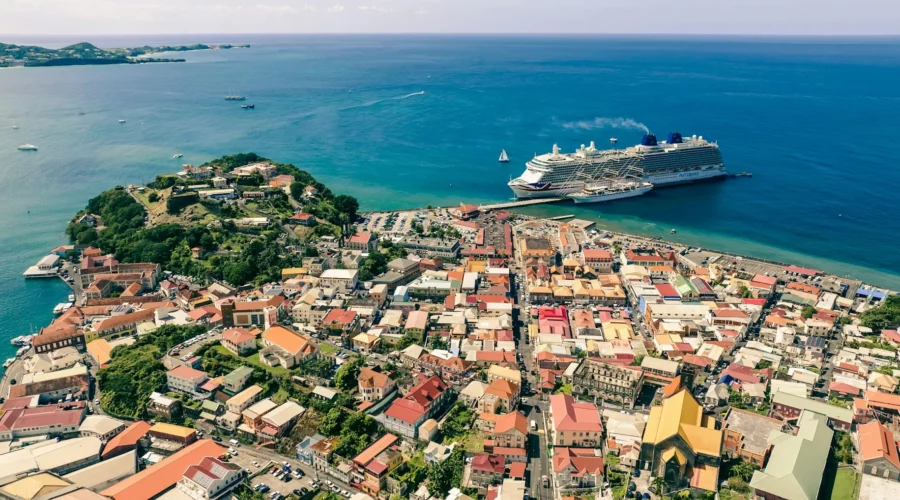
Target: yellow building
681,444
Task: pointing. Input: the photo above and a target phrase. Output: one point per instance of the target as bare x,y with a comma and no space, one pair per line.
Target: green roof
210,405
833,412
684,286
794,299
797,463
237,374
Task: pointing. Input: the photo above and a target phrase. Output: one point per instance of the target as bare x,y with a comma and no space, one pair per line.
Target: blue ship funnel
648,140
674,138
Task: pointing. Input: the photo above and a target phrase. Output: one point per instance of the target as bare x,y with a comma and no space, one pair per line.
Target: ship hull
600,198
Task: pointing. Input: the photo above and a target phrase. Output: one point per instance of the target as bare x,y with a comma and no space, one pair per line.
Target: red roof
891,335
844,388
41,416
238,335
667,290
489,463
303,216
597,254
361,238
571,416
186,372
766,280
517,470
412,407
375,449
339,316
754,302
693,359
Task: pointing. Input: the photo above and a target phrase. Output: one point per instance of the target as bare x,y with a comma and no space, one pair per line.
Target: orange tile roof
376,448
876,441
510,421
127,438
158,478
286,339
369,378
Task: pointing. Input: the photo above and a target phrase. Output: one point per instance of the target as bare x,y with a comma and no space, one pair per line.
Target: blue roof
875,294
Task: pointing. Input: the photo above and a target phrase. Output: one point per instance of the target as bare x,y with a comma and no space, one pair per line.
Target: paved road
14,372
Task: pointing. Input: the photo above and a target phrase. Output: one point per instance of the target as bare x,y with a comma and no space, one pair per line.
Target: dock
520,203
560,217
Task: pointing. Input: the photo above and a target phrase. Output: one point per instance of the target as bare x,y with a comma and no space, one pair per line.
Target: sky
784,17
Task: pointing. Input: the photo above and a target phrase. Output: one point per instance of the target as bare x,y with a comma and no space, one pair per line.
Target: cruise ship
674,161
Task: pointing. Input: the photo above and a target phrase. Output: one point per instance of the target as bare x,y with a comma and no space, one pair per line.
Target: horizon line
468,33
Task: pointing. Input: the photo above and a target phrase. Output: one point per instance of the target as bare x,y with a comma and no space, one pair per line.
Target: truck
533,426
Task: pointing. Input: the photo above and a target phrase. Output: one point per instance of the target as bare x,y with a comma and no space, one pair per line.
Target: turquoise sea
395,120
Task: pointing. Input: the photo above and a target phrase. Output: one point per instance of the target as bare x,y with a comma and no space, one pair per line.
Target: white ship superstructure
600,192
674,161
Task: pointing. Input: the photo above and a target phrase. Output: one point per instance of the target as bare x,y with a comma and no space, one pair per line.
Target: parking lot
260,467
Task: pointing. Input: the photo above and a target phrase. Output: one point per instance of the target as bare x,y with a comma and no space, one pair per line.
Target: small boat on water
22,350
62,307
22,340
743,174
177,155
672,231
248,106
72,298
9,362
503,157
27,147
15,127
121,121
234,98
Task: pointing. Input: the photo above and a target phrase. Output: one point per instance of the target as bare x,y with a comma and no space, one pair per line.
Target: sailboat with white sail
503,157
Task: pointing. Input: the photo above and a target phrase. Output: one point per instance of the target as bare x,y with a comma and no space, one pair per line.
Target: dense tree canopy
885,316
135,371
347,375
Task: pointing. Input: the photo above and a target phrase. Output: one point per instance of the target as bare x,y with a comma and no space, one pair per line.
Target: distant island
88,54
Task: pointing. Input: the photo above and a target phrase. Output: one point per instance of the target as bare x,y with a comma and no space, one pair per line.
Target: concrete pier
519,203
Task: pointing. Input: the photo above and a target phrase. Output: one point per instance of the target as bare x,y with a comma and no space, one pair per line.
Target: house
343,280
574,424
624,432
575,468
797,462
789,407
598,259
362,241
425,400
747,435
101,427
511,375
511,431
252,416
487,469
717,395
239,341
285,347
681,444
878,451
243,399
417,324
341,322
277,422
211,478
499,396
185,379
235,380
472,393
163,406
23,420
374,386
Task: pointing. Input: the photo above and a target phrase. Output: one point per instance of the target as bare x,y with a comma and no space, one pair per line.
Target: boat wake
603,122
379,101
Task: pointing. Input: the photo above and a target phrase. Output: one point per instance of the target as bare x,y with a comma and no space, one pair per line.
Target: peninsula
270,338
88,54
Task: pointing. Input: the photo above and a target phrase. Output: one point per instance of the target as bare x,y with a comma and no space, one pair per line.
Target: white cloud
375,8
335,9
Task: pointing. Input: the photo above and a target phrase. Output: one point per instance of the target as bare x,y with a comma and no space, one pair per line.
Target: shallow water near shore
397,120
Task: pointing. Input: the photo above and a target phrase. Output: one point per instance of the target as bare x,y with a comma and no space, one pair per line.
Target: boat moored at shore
600,192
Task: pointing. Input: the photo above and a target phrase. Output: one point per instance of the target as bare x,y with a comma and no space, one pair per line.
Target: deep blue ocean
395,120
